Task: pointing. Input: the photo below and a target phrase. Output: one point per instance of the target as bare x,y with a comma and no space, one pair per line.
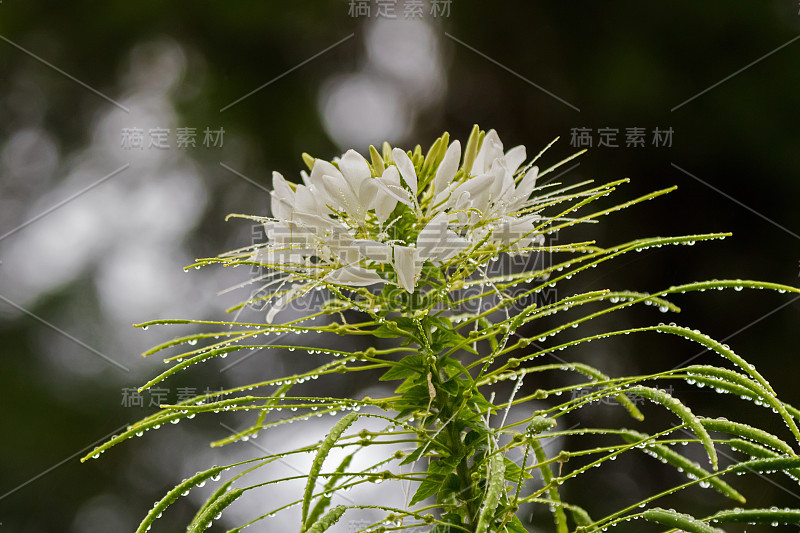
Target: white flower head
352,223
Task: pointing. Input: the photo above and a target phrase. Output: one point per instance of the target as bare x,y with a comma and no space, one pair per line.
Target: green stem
467,496
450,409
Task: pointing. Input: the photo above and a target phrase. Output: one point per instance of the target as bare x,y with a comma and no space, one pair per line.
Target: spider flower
358,223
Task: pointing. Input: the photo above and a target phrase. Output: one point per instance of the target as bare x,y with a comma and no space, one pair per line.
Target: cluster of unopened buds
357,223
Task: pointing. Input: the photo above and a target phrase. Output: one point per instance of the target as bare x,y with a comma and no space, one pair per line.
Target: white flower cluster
352,223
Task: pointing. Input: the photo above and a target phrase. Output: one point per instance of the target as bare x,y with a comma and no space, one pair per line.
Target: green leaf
495,489
766,466
670,518
429,486
559,517
772,516
597,375
415,398
408,366
673,458
513,471
438,478
447,339
414,456
725,377
325,500
761,452
174,494
322,452
718,347
206,517
454,386
674,405
454,368
580,516
324,523
482,404
475,436
515,526
451,488
747,432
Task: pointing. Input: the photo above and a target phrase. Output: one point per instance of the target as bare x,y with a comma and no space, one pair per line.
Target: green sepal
308,160
377,161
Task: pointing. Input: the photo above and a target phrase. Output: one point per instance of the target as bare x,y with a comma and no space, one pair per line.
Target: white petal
391,176
304,200
354,168
447,168
479,189
453,245
516,232
406,168
396,191
461,203
284,300
491,149
318,224
472,185
384,205
479,233
281,188
344,252
354,276
407,266
280,208
502,189
432,236
501,179
385,201
514,158
322,168
282,197
366,193
439,243
525,188
441,200
341,193
374,250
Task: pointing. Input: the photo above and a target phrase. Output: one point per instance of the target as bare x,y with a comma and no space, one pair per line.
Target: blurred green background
94,231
